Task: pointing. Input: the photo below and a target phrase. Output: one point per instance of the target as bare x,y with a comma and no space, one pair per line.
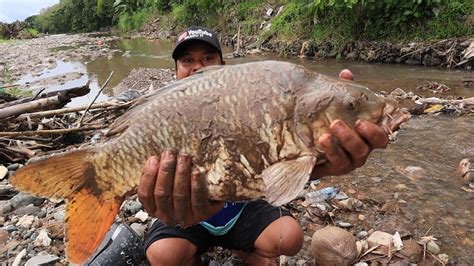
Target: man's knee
171,251
283,236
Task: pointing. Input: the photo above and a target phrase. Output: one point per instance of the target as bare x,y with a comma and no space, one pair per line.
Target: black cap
196,33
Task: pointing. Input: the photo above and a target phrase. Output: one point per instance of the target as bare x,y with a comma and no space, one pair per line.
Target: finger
202,207
374,135
346,74
352,143
147,184
164,187
338,161
182,188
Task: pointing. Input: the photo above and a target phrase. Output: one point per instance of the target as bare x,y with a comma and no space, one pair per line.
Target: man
256,231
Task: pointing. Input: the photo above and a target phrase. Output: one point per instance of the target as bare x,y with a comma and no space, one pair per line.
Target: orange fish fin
285,180
89,217
54,177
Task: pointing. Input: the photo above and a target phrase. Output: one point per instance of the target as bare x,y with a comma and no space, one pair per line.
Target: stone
55,229
3,172
362,235
13,166
27,210
343,224
432,247
60,215
42,239
142,216
414,172
139,229
46,259
26,221
379,238
22,199
5,207
361,217
132,206
4,236
19,257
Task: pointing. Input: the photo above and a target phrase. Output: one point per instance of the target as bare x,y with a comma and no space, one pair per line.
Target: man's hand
352,148
172,192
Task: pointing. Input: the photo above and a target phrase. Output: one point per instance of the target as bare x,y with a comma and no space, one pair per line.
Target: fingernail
337,127
153,162
360,125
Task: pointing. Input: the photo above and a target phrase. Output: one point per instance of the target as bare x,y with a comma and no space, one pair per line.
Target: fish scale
252,128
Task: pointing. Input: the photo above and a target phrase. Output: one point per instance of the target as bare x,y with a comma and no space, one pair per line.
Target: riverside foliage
320,20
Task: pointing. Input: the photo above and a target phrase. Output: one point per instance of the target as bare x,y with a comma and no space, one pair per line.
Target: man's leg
172,251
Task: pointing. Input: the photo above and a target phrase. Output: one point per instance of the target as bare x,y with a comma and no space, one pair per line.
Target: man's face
195,56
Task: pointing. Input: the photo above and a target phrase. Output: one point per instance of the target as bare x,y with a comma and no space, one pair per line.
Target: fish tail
72,176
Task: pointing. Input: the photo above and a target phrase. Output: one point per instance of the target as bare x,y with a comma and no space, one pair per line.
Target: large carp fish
253,128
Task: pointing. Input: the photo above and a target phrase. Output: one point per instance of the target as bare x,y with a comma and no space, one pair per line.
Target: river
433,203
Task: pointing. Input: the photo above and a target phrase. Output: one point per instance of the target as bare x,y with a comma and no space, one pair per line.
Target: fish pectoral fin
285,180
55,177
88,219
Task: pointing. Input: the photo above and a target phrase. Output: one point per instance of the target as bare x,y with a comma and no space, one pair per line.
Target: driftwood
68,93
102,105
465,102
51,131
58,100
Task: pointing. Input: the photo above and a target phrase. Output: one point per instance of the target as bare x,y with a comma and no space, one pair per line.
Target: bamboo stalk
72,109
33,105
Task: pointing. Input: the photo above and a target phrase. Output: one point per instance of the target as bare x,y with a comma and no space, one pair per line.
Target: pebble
432,247
377,179
379,238
22,199
26,221
142,216
5,207
19,257
139,229
10,228
361,264
343,224
60,215
13,166
42,239
3,172
414,172
27,210
46,259
361,217
401,186
132,206
362,235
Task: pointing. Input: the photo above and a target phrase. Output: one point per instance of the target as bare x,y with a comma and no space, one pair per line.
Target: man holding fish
257,231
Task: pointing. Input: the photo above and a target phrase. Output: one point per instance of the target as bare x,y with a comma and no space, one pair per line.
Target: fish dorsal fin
285,180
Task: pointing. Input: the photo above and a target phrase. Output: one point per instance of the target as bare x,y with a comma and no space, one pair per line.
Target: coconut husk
333,246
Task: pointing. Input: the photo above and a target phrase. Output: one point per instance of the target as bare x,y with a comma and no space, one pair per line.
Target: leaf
436,11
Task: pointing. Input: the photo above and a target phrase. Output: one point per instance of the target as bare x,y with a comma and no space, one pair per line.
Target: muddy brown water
435,203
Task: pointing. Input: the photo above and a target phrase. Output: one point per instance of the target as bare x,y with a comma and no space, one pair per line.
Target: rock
22,199
343,224
132,206
3,172
139,229
10,228
333,246
13,166
5,207
19,257
466,170
45,259
142,216
26,221
432,247
412,251
362,235
414,172
4,236
379,238
361,217
361,264
27,210
60,215
55,229
377,179
42,239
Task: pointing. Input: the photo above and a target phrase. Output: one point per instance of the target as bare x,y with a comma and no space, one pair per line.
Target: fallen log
465,102
41,104
69,93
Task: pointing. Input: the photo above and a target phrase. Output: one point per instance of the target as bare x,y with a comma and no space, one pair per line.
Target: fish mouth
392,117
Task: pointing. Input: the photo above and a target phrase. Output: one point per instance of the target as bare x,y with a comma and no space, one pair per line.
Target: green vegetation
317,20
